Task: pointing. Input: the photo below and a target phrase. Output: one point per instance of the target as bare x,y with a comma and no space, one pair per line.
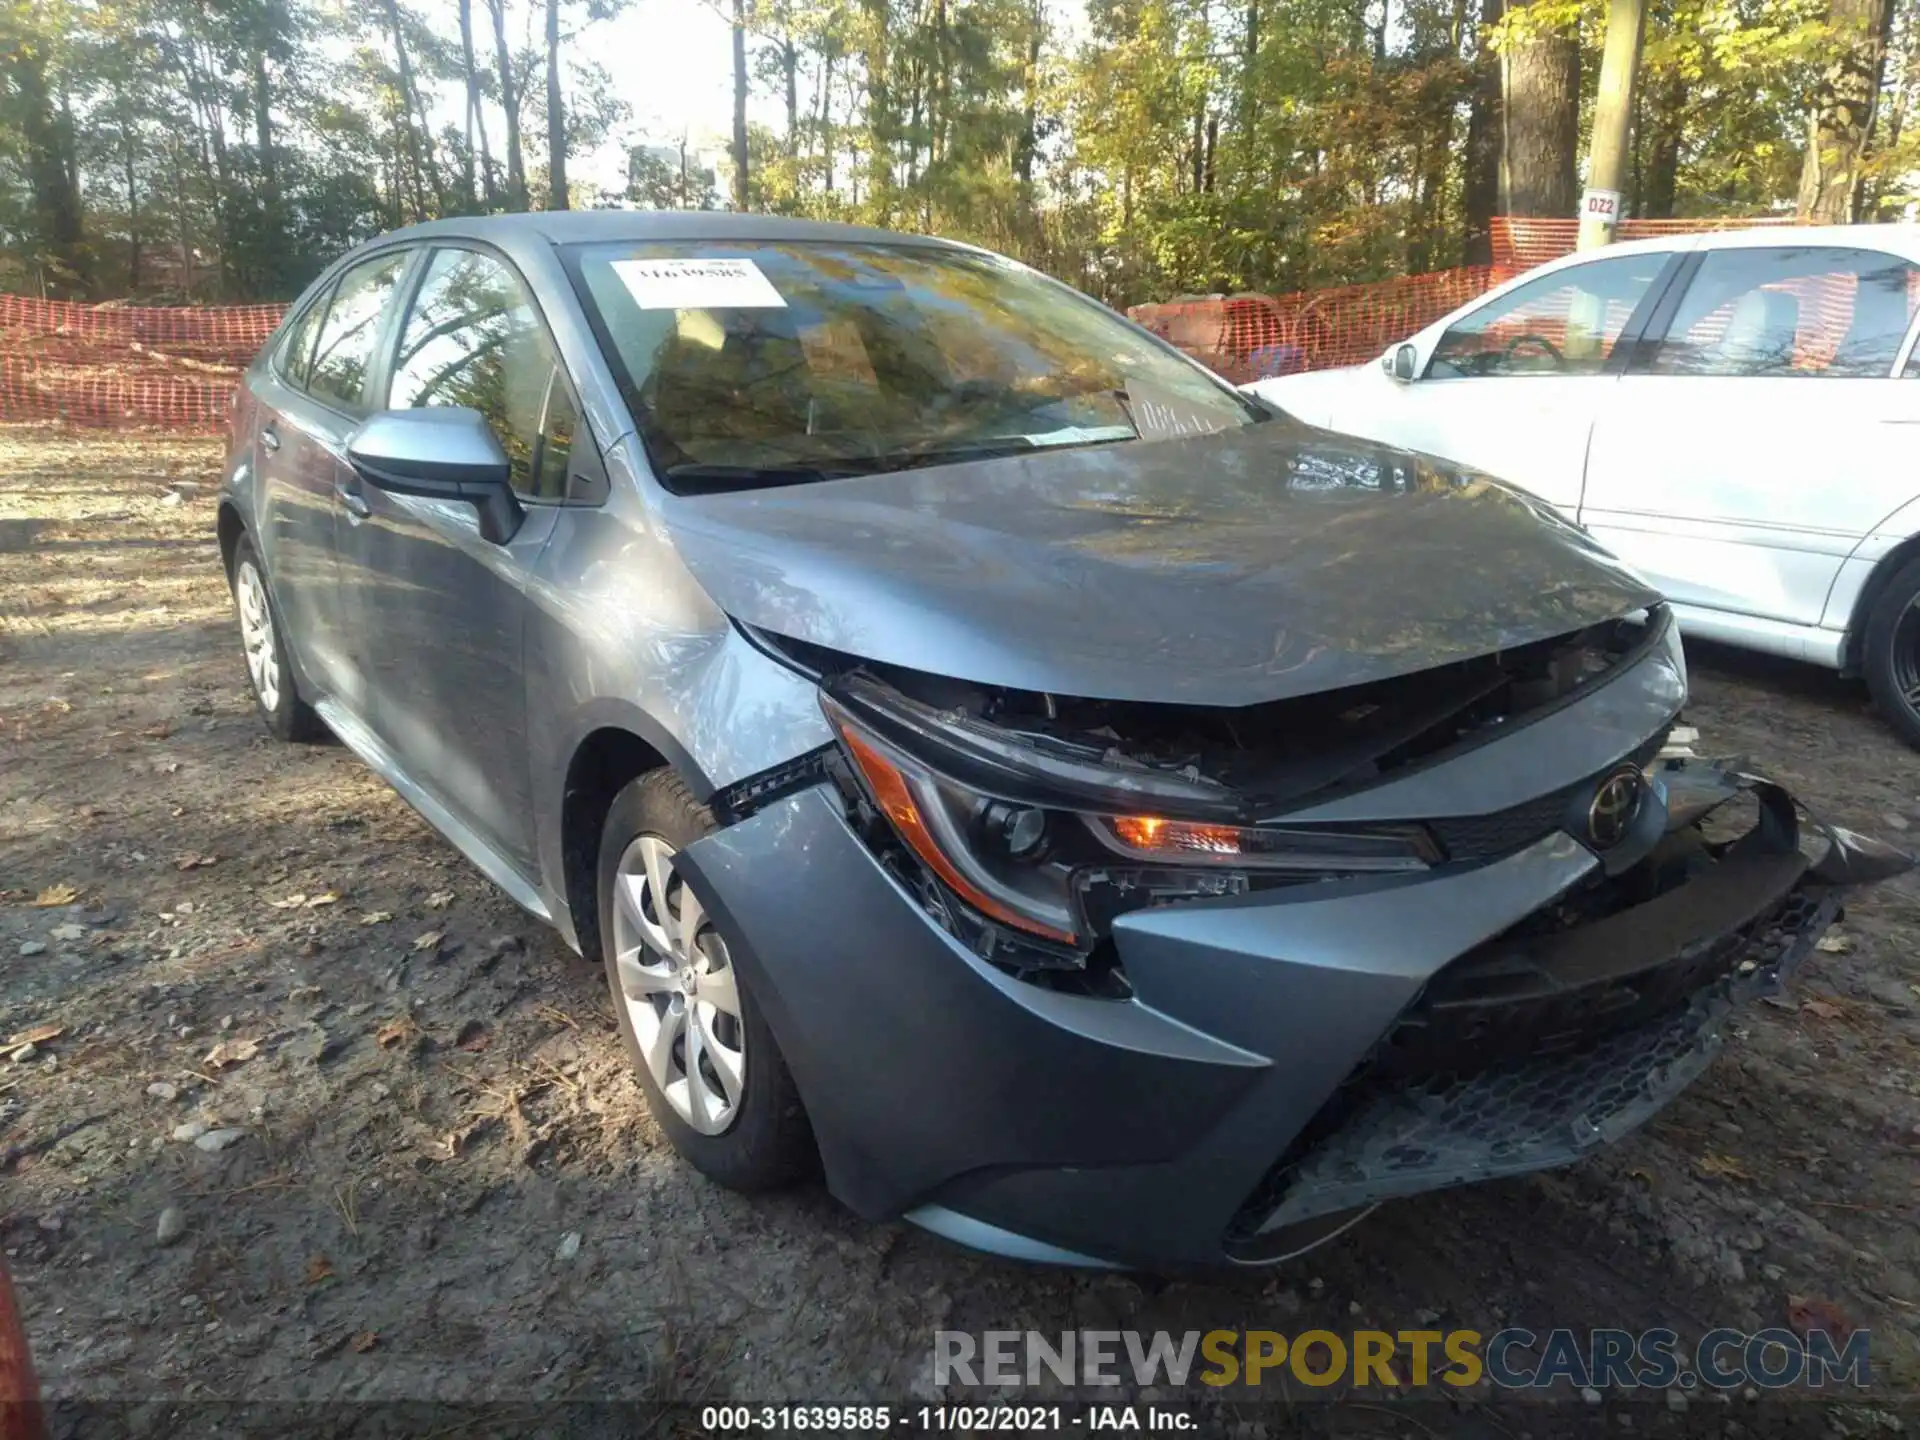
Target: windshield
751,364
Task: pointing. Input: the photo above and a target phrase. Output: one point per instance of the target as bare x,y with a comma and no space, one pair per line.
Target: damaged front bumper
1285,1059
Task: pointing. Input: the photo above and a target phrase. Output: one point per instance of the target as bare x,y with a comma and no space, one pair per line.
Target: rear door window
295,360
1792,310
344,349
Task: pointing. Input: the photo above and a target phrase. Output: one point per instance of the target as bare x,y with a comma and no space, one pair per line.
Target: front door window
1564,323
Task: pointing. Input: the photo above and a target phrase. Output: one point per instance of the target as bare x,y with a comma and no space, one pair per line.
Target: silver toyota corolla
1076,807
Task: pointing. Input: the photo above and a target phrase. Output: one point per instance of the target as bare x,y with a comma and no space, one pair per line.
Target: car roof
1903,239
573,227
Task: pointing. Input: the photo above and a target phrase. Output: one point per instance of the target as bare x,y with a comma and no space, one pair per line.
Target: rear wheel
1891,653
287,715
713,1077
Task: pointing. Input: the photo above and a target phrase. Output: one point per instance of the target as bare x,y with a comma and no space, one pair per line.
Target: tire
752,1135
264,644
1890,655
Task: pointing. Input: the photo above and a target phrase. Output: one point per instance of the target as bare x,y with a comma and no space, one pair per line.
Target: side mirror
440,453
1403,362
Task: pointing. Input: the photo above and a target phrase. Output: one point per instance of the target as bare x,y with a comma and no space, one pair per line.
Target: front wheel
268,669
714,1079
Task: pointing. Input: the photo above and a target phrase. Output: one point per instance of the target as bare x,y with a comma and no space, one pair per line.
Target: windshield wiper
995,448
704,478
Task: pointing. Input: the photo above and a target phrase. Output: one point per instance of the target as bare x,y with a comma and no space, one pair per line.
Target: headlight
1061,872
1674,650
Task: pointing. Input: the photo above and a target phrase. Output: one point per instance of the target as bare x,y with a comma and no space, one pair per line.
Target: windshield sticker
698,285
1162,415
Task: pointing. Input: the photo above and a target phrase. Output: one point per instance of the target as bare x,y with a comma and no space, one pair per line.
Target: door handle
355,502
269,438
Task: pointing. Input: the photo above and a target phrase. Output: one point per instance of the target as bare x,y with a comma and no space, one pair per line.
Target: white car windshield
760,363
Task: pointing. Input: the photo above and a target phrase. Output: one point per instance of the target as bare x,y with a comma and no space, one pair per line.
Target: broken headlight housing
1017,848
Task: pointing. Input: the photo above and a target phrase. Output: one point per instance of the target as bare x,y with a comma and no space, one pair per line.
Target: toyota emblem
1615,806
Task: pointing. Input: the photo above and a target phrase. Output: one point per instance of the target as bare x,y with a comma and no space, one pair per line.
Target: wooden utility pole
1612,116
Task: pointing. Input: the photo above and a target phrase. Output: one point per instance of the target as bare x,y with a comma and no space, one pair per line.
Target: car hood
1230,569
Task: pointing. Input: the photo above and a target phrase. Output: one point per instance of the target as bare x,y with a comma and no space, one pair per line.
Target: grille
1485,837
1389,1133
1442,1034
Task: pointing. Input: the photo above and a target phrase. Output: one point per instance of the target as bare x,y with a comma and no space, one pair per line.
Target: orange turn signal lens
1151,832
894,795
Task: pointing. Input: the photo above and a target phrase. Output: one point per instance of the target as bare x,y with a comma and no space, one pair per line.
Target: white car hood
1313,397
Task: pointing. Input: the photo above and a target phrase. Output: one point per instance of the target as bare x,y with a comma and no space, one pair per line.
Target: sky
672,61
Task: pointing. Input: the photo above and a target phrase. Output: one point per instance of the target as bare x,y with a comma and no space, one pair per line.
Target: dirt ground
442,1185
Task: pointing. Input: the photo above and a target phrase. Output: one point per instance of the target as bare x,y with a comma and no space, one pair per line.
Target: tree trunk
1541,74
510,105
272,244
880,124
1663,115
1897,117
1480,183
790,71
556,115
1030,86
127,153
183,236
1249,61
471,181
826,118
739,104
419,138
43,138
1842,118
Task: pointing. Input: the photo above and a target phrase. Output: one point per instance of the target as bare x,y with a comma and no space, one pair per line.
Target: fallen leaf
440,899
473,1036
429,941
1805,1312
195,862
1720,1165
365,1341
394,1031
318,1268
292,902
376,917
231,1052
38,1035
55,895
1822,1009
1834,943
329,898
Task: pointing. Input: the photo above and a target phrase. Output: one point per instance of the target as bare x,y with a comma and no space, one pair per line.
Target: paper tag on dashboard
698,285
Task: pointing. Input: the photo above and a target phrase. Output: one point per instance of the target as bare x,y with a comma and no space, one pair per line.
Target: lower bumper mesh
1395,1136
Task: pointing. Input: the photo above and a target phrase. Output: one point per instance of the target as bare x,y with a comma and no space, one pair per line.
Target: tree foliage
226,149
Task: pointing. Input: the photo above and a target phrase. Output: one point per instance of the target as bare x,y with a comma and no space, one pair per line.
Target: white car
1735,415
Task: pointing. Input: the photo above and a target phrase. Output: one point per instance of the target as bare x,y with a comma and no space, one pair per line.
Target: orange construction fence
1522,241
1251,337
115,365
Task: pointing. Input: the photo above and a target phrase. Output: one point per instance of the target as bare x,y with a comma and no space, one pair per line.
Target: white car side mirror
1402,362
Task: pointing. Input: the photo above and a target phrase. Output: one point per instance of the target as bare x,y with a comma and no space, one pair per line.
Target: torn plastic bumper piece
1425,1112
1280,1060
